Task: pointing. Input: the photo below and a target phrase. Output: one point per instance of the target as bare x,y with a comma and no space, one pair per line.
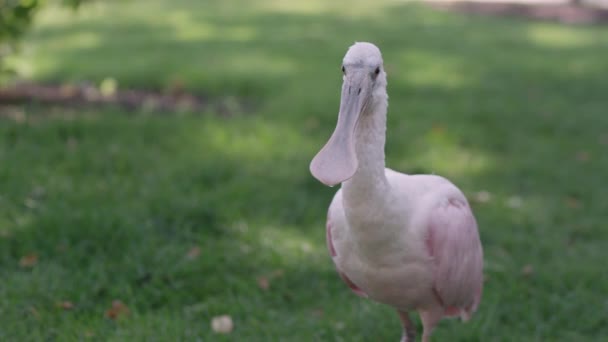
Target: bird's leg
409,330
429,319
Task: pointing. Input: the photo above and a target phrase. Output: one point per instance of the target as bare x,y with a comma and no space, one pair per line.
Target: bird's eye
377,71
343,70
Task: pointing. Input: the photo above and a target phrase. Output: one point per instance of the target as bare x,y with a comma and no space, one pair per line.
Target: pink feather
453,242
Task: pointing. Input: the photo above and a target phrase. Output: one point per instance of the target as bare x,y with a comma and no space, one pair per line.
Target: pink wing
453,242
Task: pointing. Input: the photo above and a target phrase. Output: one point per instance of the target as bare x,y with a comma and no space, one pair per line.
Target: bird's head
364,82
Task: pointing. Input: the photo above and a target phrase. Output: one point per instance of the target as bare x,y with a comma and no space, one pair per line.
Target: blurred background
154,155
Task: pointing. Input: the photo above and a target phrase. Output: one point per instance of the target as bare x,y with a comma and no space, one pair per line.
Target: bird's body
408,241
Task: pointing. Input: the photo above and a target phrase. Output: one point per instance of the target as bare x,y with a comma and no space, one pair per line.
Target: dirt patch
85,95
567,13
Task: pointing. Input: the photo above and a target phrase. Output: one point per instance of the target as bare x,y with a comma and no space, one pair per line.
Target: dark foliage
15,18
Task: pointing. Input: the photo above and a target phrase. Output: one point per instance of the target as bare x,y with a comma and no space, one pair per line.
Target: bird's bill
337,160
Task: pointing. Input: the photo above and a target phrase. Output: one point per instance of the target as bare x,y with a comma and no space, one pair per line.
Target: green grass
112,202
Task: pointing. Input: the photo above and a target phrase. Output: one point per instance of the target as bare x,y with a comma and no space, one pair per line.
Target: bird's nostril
359,91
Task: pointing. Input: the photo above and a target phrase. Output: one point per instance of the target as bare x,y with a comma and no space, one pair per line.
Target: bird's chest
376,233
393,277
377,256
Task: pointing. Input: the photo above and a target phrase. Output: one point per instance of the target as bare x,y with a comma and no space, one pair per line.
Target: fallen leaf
222,324
317,313
573,202
33,311
29,260
482,197
117,310
89,334
263,283
194,252
583,156
527,270
67,90
176,86
66,305
438,129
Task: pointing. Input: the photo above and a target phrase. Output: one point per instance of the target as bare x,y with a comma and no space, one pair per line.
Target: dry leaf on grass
117,310
66,305
263,283
573,202
29,260
318,313
194,252
438,129
33,312
222,324
482,197
583,156
527,270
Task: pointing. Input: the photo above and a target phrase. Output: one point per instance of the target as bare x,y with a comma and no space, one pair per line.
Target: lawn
183,217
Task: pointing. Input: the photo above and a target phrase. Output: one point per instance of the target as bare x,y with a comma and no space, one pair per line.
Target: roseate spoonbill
409,241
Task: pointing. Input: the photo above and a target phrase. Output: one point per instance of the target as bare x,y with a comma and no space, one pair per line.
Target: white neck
368,185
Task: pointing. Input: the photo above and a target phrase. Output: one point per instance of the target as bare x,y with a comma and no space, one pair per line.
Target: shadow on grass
510,107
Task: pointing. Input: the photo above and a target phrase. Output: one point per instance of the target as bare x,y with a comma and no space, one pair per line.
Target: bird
407,241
